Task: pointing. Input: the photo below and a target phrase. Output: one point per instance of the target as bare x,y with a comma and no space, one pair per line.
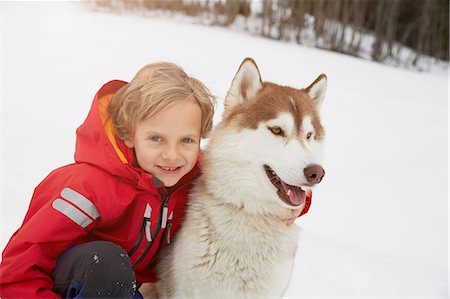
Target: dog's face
270,140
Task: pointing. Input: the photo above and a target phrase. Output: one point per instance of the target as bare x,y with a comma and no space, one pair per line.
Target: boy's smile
167,144
169,170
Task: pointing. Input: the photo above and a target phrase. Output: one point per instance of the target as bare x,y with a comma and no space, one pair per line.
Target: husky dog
258,168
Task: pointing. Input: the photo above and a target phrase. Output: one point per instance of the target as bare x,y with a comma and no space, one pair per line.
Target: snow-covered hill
378,226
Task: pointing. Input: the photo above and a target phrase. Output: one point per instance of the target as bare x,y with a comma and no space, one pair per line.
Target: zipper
165,236
141,234
169,226
163,221
145,228
147,215
165,210
161,242
165,199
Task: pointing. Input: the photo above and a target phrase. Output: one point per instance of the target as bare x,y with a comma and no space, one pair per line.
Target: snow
378,225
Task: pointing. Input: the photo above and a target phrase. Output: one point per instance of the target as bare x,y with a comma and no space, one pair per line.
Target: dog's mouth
291,195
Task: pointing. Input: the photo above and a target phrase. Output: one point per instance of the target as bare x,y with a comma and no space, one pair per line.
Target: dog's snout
314,173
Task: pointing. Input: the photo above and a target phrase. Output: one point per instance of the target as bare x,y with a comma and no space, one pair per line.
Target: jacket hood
98,145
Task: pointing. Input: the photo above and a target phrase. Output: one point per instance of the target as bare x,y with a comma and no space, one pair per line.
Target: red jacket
102,196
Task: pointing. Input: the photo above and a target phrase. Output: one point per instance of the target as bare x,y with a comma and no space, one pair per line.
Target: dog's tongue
296,195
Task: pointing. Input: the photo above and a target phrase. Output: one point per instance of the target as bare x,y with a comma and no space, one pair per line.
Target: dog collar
289,221
308,201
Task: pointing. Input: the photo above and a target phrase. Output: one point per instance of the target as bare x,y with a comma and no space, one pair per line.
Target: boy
94,228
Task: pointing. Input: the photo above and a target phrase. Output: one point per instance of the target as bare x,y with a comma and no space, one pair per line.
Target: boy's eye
187,140
155,138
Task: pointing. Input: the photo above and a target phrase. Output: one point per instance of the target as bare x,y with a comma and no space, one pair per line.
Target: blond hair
155,87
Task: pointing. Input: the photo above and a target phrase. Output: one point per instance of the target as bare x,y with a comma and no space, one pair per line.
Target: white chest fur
222,252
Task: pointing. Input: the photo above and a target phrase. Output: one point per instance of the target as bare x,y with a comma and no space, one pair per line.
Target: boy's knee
109,259
109,272
103,269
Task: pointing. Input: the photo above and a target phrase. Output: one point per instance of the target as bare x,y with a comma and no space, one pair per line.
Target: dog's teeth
288,192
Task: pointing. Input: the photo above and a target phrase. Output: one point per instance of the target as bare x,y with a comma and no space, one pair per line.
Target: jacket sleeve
51,226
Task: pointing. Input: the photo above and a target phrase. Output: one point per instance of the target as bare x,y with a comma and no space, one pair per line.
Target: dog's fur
234,242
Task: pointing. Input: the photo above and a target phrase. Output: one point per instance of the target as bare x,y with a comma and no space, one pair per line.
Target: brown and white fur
234,242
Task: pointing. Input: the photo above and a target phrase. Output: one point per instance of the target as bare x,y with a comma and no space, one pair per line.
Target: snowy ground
378,226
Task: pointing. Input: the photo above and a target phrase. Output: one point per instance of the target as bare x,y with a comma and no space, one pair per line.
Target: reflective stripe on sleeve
81,202
71,212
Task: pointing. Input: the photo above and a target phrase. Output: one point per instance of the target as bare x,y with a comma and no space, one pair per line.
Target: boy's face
167,144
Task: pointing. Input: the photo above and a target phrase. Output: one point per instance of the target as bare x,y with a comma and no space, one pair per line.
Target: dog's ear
317,90
246,83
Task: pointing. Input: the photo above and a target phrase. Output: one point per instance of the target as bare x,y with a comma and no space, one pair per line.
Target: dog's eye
309,135
276,130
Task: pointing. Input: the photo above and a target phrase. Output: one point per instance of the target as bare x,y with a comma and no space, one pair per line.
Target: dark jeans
97,269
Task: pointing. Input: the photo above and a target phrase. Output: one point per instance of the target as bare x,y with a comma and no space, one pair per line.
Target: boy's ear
129,142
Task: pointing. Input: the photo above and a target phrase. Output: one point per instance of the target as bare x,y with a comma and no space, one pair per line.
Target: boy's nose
171,153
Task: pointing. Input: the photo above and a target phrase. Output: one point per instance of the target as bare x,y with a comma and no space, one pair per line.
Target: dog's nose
314,173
